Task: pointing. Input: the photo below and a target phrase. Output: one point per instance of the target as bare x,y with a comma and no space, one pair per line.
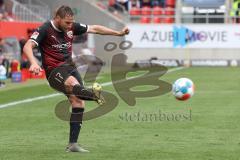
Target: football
183,89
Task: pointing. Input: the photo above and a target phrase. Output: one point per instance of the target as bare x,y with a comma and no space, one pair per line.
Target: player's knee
76,102
70,83
68,87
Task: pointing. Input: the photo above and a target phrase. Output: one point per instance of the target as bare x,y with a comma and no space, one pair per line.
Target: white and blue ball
183,89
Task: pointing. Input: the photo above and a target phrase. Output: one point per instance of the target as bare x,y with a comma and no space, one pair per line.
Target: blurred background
197,39
166,32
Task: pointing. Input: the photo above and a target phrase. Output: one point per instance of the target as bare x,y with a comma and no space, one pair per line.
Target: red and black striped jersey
55,45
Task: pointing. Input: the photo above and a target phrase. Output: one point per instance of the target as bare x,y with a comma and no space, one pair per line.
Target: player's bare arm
35,68
98,29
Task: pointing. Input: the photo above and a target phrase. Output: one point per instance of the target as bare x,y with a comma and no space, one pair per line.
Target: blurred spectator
2,42
8,5
133,3
160,3
128,4
2,76
3,71
3,13
3,60
2,4
121,5
235,12
2,10
145,3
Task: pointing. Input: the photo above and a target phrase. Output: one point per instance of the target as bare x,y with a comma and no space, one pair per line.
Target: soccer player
54,39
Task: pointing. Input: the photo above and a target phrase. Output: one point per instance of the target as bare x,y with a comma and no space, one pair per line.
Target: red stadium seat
146,11
157,19
15,65
25,74
145,19
168,20
169,11
157,11
170,3
135,11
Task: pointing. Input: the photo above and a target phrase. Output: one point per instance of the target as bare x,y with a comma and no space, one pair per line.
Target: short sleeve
79,28
39,34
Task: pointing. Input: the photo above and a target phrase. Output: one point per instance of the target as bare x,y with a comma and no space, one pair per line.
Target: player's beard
63,29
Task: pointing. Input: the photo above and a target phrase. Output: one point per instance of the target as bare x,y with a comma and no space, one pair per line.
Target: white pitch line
29,100
58,94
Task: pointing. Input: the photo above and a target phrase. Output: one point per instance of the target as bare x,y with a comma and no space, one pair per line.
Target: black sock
75,124
83,93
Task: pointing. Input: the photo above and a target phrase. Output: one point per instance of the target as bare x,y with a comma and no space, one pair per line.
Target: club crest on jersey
70,34
34,35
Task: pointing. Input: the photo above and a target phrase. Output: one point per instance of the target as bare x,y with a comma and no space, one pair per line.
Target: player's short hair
64,11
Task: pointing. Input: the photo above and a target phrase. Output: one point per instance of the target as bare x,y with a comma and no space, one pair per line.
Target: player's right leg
96,88
61,80
78,89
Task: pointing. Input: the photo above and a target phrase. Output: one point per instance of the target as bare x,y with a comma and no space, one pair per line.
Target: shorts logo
35,35
70,34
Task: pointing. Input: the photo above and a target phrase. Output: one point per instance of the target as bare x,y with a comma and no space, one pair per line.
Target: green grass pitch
208,128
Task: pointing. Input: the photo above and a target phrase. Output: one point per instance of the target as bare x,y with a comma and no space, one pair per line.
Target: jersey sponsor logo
55,39
70,34
35,35
62,46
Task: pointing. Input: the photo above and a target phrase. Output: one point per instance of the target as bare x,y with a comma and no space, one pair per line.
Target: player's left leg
75,124
75,119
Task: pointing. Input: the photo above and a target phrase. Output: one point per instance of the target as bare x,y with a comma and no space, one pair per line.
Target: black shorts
59,75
